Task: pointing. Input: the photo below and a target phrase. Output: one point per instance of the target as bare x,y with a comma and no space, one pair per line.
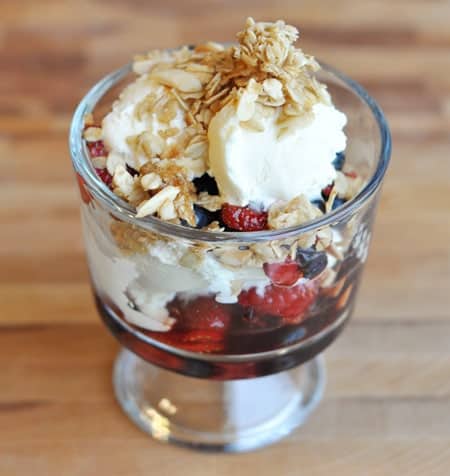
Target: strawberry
283,274
243,218
203,313
201,325
290,304
105,176
97,149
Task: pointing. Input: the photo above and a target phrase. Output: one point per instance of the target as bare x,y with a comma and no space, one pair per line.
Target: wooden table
387,404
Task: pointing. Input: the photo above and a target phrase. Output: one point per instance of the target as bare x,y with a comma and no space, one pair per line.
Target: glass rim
123,210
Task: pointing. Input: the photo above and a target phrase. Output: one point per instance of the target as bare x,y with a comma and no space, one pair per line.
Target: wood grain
387,405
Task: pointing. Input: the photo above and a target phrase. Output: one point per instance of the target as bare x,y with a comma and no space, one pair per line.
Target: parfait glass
260,377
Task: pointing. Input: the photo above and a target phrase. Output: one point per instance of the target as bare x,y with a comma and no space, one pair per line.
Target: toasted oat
194,167
151,181
146,106
198,149
178,79
92,134
113,161
167,210
273,87
132,239
295,212
148,144
213,226
170,132
142,64
210,46
99,162
168,111
127,186
184,207
232,256
210,202
270,252
123,182
88,120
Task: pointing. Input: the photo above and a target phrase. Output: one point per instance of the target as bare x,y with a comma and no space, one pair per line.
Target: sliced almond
123,182
113,161
179,79
151,181
167,210
273,88
149,207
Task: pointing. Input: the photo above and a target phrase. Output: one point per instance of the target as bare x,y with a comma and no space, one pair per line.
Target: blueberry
205,217
311,262
338,202
339,160
206,183
320,204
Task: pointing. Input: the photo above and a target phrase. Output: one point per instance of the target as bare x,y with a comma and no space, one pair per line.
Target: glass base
229,416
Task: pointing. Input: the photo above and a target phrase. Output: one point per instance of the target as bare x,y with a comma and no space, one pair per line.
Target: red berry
243,218
289,303
327,190
203,314
283,274
201,325
97,149
105,176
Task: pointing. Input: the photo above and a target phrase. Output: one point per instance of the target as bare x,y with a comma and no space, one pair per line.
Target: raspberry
290,304
105,176
203,314
97,149
283,274
243,218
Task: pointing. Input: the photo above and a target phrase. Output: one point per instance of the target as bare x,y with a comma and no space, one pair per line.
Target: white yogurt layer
263,167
